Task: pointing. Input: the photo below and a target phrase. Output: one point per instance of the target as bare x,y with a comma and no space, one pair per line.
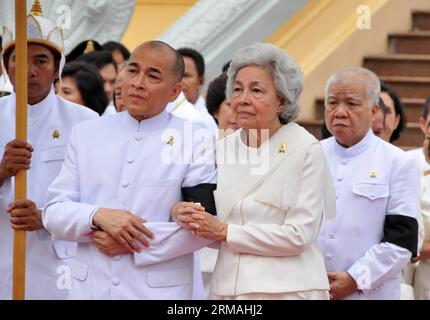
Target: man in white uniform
424,124
194,78
50,119
375,232
122,176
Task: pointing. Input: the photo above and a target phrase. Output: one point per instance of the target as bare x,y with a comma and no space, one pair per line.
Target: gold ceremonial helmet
39,30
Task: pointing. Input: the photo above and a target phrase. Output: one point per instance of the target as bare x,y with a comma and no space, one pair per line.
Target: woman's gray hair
286,73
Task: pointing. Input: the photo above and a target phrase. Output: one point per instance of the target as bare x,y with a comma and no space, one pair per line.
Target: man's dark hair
198,59
80,49
100,59
216,94
398,107
89,83
55,54
112,46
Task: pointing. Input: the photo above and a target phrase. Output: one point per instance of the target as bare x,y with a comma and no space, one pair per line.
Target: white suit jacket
377,191
45,257
120,163
422,273
273,204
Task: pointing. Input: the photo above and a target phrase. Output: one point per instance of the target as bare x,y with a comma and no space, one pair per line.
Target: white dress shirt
118,162
49,125
418,154
374,181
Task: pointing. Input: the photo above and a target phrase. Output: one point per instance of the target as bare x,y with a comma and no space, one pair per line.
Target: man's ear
176,91
57,68
375,109
422,123
201,80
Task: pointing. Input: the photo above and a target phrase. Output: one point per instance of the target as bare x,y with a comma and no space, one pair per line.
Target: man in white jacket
375,232
122,176
50,120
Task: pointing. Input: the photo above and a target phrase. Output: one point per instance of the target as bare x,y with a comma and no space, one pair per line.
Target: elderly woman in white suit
422,271
273,188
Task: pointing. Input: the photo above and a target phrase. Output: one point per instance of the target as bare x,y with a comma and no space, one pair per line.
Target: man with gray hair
377,185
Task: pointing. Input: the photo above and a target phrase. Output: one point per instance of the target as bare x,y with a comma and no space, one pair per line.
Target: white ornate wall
101,20
217,28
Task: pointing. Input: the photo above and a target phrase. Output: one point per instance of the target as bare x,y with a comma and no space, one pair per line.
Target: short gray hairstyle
370,80
286,73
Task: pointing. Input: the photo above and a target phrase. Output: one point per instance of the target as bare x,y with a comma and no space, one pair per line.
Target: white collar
357,148
175,105
145,125
200,103
39,109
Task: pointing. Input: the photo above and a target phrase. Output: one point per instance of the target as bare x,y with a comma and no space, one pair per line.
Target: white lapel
237,180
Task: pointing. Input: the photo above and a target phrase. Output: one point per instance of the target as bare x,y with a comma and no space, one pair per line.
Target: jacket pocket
65,249
53,154
372,191
169,278
79,270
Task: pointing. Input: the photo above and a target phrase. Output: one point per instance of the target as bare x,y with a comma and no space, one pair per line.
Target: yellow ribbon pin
283,148
56,134
171,140
373,173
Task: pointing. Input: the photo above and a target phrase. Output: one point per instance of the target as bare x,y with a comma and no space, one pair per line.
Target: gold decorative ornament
90,47
36,9
373,173
56,134
282,148
171,140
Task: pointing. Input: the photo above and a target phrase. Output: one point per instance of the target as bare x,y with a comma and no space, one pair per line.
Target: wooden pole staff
21,134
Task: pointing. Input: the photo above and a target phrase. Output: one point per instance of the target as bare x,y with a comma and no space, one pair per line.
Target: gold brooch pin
282,148
171,140
56,134
373,173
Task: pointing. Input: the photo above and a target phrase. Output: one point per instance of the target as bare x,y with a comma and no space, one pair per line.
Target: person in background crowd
118,101
219,108
420,153
120,53
268,220
6,87
108,70
194,78
375,232
378,124
82,48
395,119
82,84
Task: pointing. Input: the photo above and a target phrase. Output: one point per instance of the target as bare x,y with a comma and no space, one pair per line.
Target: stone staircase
406,68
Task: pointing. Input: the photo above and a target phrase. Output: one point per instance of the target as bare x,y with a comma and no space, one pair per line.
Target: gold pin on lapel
171,140
282,148
373,173
56,134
